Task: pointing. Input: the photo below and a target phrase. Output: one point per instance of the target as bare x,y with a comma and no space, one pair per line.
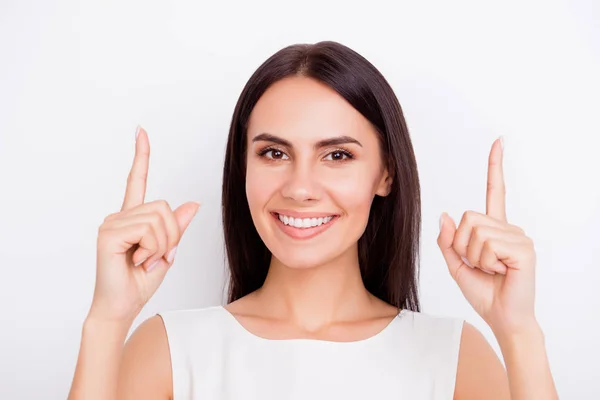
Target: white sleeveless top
214,357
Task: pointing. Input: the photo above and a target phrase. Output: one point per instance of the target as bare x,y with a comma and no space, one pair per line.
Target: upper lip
304,214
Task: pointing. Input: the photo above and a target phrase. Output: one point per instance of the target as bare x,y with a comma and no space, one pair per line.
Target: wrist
525,336
112,327
99,314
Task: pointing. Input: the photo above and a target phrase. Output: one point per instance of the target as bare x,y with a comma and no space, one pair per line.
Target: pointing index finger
496,189
136,181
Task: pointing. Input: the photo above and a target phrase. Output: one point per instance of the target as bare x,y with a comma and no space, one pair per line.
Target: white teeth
304,222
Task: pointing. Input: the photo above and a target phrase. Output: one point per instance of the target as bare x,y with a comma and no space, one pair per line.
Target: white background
77,77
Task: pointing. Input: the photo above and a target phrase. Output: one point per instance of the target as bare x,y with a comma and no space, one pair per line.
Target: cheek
261,185
353,191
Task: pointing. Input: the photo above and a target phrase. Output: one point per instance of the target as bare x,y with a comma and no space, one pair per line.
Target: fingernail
488,272
140,262
137,131
502,141
441,221
171,255
466,261
151,267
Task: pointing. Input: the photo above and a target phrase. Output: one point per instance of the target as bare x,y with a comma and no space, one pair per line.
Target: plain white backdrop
76,78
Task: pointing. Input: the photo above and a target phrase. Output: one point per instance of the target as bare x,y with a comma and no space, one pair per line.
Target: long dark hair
389,248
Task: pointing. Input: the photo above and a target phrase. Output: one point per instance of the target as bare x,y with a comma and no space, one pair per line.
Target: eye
338,155
274,154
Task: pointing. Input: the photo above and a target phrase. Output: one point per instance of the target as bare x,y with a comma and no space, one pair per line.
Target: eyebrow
334,141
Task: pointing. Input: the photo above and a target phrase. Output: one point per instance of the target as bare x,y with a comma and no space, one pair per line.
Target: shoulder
435,332
458,356
423,320
480,374
144,373
160,342
190,318
190,331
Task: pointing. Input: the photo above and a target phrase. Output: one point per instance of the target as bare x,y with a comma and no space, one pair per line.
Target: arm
493,262
99,357
141,369
527,365
481,375
146,366
135,249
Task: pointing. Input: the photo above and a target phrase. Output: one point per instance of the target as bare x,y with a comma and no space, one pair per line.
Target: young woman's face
314,166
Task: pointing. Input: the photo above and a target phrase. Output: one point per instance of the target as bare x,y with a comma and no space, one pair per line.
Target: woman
321,213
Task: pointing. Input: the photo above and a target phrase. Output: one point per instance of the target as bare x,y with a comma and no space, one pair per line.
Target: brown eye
275,154
338,155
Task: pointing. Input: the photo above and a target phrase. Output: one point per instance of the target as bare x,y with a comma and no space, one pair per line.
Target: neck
316,296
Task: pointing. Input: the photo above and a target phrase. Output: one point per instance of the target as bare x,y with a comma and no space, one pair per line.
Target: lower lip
302,233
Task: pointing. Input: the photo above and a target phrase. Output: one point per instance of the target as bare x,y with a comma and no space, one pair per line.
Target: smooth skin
149,232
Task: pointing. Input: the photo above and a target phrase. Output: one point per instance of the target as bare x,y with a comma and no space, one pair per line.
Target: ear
385,184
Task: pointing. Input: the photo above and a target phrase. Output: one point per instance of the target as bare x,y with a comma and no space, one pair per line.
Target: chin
310,254
301,260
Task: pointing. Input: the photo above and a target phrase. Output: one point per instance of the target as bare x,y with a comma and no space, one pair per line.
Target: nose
302,184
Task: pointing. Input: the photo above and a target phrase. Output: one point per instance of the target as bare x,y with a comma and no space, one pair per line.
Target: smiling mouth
304,223
303,228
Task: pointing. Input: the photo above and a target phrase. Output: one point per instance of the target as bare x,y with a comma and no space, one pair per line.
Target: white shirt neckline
377,336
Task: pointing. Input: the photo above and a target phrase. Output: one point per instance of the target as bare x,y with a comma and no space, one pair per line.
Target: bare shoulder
480,374
145,371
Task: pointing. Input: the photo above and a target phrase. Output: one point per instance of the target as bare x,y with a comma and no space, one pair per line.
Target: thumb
185,213
445,240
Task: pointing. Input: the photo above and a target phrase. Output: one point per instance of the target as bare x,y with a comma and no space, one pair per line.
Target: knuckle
101,230
464,216
529,241
165,204
104,236
468,216
477,232
162,204
156,219
110,217
148,229
518,229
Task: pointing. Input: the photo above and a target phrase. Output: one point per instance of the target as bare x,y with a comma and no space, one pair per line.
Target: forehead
301,108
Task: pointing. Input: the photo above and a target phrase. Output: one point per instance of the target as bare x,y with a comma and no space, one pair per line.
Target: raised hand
137,245
492,261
